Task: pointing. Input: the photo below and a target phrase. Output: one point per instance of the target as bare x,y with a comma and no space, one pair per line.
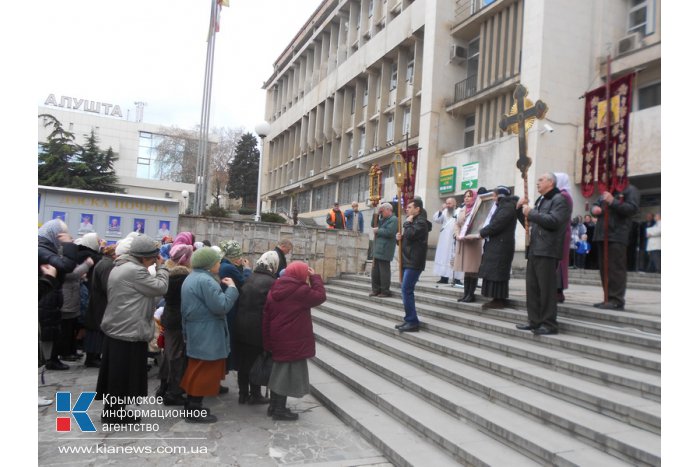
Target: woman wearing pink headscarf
468,251
289,336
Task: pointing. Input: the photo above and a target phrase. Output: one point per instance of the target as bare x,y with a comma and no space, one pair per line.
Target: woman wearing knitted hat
128,326
288,334
174,358
236,267
248,325
204,306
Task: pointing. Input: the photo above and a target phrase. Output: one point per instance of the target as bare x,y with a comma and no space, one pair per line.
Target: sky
120,52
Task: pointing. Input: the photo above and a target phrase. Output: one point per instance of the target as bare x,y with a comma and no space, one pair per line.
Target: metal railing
465,89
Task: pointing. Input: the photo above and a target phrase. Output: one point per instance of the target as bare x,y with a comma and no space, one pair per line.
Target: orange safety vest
332,214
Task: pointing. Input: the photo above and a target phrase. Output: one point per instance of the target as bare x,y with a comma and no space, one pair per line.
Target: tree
220,157
95,167
56,155
243,171
64,163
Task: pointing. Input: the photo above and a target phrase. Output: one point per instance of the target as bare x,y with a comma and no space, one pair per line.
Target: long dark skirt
174,362
123,371
93,341
494,289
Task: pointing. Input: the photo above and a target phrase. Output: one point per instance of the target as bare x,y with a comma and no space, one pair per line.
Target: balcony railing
466,8
465,89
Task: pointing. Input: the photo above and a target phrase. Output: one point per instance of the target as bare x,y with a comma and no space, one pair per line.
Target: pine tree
243,171
96,167
56,155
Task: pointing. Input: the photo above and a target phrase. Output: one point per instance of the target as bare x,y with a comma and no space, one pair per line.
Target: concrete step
465,358
635,280
401,445
636,320
516,313
367,370
633,358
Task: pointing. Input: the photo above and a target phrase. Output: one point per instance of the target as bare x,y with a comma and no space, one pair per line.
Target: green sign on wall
470,176
448,177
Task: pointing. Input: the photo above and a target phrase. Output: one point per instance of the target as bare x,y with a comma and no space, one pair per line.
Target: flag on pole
219,4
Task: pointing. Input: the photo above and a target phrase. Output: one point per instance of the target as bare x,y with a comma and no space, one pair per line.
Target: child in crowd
582,249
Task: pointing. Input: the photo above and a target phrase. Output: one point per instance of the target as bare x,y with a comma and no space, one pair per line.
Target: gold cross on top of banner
520,119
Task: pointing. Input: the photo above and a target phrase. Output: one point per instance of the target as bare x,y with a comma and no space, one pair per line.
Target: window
649,96
352,101
365,95
370,8
378,86
350,154
406,121
409,71
390,128
641,16
354,188
304,201
469,130
163,157
394,76
323,196
473,58
363,135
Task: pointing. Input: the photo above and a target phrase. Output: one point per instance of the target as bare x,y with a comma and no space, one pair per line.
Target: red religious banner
410,157
611,167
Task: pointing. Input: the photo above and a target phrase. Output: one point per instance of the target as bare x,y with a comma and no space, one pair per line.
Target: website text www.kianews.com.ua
103,449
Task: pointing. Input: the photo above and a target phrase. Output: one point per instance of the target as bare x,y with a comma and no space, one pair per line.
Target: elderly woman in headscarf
88,255
563,267
204,307
56,250
97,304
128,325
288,334
248,325
468,252
174,357
234,266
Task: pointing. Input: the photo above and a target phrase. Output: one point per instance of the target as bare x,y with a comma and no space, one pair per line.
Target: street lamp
185,194
262,129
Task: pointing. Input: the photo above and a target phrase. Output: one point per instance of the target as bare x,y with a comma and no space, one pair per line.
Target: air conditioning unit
458,54
311,173
360,153
168,194
628,43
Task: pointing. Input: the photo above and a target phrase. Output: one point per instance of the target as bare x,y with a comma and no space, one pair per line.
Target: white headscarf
563,181
270,260
124,245
90,240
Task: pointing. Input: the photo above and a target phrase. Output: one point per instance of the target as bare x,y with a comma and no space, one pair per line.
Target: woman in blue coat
204,307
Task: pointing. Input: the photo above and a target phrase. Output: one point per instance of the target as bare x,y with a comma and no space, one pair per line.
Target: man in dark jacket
283,248
622,206
414,250
548,222
383,251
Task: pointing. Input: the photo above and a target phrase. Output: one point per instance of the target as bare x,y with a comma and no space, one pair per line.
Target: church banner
611,171
410,157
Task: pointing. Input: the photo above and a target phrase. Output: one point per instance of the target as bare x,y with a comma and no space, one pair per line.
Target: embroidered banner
410,158
612,167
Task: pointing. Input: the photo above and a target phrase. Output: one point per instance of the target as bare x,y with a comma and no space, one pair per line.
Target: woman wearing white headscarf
563,267
247,325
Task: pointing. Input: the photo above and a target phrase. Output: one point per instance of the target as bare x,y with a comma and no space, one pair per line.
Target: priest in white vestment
446,243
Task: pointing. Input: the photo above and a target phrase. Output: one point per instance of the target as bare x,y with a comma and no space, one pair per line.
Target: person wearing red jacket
289,336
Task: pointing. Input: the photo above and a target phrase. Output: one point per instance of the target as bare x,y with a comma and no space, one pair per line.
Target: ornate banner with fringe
612,167
410,157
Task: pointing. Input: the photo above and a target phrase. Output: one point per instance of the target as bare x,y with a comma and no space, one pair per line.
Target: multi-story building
140,169
363,76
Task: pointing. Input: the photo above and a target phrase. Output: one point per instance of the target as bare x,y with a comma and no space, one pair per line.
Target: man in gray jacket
548,221
383,251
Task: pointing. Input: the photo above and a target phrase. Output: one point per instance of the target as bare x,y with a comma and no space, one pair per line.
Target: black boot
160,392
470,288
281,412
256,397
203,414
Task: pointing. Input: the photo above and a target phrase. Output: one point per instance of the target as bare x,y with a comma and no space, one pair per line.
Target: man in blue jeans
414,249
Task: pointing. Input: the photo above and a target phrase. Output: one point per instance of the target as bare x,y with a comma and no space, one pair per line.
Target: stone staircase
470,389
635,280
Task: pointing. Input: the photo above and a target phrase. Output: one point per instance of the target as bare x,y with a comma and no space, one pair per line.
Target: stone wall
329,252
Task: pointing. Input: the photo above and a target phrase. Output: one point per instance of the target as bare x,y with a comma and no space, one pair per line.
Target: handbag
261,369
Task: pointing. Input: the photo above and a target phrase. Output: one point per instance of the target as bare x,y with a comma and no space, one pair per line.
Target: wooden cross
520,119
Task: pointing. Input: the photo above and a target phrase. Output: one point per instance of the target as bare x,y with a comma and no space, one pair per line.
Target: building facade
140,169
365,76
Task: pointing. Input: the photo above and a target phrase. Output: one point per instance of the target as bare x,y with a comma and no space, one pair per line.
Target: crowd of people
199,311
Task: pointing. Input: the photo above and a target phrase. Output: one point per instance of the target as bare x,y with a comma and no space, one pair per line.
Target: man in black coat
283,248
414,250
622,207
548,222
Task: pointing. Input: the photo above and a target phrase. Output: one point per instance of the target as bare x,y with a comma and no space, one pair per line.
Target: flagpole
202,176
